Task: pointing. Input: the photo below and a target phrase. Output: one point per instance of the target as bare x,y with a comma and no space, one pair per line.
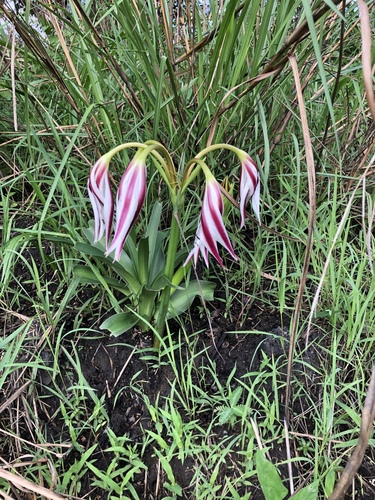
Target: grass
86,78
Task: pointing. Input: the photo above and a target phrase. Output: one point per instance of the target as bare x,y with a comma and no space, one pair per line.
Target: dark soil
103,359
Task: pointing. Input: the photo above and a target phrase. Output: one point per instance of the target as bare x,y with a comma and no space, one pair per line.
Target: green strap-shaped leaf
182,298
131,249
120,323
87,249
86,275
124,268
143,254
157,259
153,227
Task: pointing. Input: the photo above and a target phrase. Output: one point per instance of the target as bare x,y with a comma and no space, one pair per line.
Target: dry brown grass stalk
24,484
309,242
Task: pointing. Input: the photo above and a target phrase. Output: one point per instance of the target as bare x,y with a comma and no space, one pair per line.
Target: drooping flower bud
211,229
101,198
130,198
249,186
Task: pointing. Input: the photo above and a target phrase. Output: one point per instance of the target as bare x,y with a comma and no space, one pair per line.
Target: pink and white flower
130,198
211,228
249,186
101,198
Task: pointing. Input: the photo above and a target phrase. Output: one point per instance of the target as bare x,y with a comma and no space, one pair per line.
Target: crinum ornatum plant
154,277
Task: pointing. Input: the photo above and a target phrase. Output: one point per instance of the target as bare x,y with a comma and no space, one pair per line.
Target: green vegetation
85,415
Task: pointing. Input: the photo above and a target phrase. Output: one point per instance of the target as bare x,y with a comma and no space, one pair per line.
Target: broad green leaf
309,492
356,417
159,283
89,250
161,442
127,264
174,488
182,298
120,323
89,233
107,480
269,479
86,275
131,249
146,305
128,277
124,267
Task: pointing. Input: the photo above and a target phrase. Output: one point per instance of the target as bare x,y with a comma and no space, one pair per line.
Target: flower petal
211,229
249,186
101,198
130,198
212,219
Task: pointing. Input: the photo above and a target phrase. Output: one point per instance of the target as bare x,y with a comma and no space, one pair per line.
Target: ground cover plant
259,392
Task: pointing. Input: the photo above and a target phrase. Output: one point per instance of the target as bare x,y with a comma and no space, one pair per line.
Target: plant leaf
157,263
98,249
89,250
152,229
120,323
235,396
86,275
143,260
159,283
309,492
269,479
225,415
182,298
131,249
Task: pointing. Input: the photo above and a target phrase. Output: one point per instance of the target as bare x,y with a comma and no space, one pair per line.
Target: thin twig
258,438
44,446
366,55
124,367
12,73
14,396
289,457
309,242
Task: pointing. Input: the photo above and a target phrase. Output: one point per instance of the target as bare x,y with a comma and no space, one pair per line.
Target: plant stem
146,307
169,271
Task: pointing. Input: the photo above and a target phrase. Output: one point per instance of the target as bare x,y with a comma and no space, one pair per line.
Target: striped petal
249,186
101,198
130,198
211,229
